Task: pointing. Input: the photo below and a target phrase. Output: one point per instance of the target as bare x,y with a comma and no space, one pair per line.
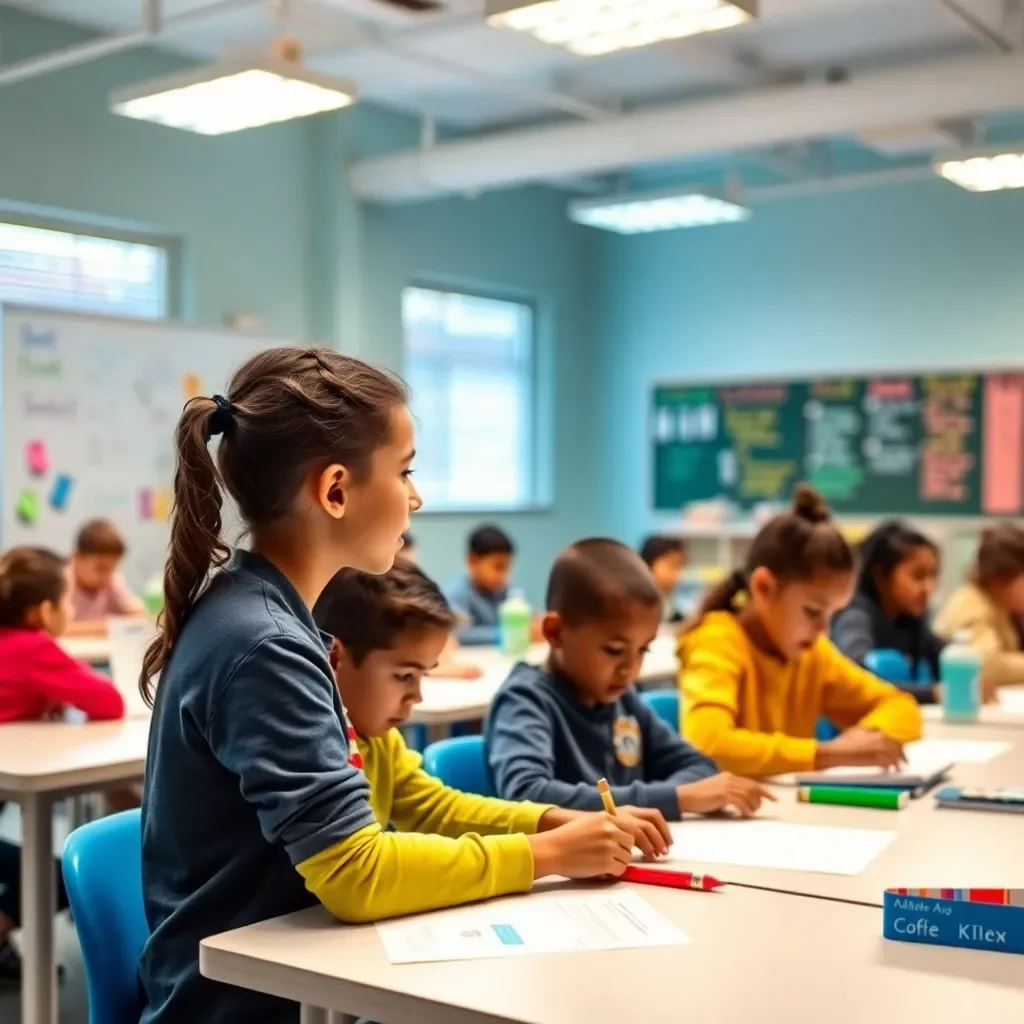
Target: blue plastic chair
888,664
103,874
665,704
461,762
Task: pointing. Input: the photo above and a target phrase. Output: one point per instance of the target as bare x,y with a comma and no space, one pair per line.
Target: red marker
671,879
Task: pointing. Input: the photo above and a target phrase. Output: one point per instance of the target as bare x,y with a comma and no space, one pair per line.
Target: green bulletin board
933,444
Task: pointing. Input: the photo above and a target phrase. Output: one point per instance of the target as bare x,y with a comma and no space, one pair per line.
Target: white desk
41,762
95,650
756,956
1008,712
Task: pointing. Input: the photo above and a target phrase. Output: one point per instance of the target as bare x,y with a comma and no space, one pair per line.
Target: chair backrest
888,664
102,866
665,704
461,762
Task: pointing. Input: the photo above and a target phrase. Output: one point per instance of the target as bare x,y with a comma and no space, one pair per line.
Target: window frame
115,231
536,501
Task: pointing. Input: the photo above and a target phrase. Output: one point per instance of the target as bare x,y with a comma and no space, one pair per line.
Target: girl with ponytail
256,802
758,670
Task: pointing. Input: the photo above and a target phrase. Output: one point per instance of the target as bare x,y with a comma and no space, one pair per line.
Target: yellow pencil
606,795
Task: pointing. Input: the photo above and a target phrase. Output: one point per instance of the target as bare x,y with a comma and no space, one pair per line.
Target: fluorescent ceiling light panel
592,27
989,171
223,97
663,211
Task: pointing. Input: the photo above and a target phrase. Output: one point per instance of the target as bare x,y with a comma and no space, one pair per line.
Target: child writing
252,805
37,680
552,732
757,669
389,631
985,608
666,558
97,589
899,568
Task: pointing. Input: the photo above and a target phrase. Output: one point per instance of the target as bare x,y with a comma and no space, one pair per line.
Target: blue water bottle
960,673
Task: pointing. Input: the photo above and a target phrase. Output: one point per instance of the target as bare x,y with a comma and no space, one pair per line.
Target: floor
73,1003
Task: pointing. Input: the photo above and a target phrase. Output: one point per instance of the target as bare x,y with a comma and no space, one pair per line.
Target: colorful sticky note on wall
191,385
161,505
37,457
145,503
60,494
27,507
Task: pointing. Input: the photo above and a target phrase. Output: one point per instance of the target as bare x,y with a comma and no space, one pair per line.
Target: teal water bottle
514,617
960,674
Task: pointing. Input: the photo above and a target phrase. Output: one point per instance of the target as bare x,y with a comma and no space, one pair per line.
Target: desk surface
92,649
50,757
808,960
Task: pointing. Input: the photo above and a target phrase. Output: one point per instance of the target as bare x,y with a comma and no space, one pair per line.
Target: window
89,273
469,364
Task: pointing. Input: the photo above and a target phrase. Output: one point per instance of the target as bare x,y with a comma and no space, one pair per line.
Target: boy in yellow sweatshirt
389,632
758,670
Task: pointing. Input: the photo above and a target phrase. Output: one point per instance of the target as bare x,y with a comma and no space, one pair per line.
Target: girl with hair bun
758,669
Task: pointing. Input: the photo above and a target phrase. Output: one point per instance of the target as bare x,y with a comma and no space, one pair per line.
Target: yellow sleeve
373,874
853,696
710,680
421,803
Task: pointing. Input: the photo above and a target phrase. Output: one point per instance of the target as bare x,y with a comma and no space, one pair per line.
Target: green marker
854,796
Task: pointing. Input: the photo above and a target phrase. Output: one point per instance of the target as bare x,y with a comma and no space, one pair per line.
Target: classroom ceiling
451,66
471,79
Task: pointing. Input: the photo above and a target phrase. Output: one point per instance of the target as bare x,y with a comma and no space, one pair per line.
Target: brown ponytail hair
797,545
1000,555
286,410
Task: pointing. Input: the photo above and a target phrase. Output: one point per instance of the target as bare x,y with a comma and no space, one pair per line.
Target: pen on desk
670,879
606,795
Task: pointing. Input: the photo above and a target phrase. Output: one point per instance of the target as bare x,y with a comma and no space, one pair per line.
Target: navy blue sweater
544,744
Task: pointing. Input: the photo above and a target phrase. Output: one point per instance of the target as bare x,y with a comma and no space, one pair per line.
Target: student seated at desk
666,558
389,631
899,568
552,732
984,608
37,680
757,669
478,594
255,804
98,590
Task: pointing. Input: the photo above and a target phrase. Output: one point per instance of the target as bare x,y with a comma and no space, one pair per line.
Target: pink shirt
90,605
36,676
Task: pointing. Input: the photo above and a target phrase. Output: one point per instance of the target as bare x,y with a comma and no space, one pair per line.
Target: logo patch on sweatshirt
627,742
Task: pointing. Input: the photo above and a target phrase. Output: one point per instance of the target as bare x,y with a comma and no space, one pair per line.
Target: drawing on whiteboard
49,408
191,386
145,504
60,495
27,507
161,505
37,458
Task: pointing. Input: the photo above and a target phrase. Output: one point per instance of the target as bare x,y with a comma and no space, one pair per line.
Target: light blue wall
269,227
912,276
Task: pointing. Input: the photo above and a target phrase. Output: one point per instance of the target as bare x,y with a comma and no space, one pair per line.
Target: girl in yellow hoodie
758,669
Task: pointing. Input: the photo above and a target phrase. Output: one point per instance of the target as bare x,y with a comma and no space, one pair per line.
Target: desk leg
39,977
314,1015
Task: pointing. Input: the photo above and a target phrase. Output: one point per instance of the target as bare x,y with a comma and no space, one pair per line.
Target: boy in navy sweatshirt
552,732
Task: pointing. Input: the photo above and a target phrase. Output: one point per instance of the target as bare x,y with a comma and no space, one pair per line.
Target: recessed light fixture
984,171
592,27
656,211
230,96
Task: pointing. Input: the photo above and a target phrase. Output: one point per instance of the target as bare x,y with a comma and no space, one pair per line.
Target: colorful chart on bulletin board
89,406
926,444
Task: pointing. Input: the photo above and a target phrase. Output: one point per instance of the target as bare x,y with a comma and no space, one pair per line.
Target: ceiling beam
978,28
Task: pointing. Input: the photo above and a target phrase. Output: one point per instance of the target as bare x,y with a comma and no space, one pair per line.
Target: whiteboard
88,409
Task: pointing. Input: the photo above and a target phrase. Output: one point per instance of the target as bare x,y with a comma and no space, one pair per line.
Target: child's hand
590,846
989,690
649,829
858,748
722,791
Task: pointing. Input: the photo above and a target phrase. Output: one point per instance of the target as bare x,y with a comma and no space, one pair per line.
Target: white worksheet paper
616,919
777,844
1012,700
956,751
